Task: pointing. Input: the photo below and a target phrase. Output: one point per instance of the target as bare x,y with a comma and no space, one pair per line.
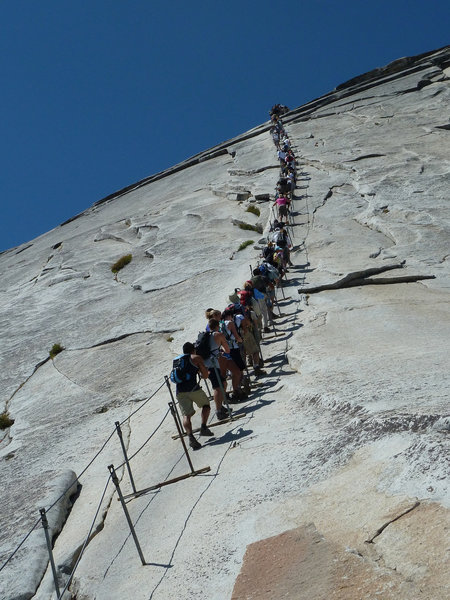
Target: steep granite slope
349,430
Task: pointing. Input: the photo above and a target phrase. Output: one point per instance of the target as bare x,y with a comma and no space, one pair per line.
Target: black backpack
179,371
203,344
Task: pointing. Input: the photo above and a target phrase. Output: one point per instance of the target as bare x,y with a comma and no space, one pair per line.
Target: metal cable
143,404
20,545
146,441
86,541
81,474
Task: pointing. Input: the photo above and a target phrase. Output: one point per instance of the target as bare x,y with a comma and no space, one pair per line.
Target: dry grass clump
245,244
56,349
121,263
248,227
5,420
254,209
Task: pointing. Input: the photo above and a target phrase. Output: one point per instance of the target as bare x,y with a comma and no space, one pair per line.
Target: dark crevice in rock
122,337
352,276
244,172
38,366
447,127
383,527
360,278
365,156
23,249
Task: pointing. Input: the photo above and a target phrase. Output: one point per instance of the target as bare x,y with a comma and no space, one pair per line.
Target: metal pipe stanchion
127,514
50,550
119,433
177,414
207,388
180,433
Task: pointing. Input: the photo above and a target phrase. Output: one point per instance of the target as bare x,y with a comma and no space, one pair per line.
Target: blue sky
98,94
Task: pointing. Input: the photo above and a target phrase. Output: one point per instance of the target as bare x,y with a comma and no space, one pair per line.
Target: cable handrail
76,480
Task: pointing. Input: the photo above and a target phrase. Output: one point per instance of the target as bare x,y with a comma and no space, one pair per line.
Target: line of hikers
231,341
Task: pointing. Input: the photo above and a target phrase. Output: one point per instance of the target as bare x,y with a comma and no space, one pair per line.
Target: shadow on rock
229,437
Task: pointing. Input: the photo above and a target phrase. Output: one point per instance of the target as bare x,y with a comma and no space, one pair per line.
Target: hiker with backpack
217,361
186,368
275,137
290,159
264,286
267,253
291,180
230,326
235,364
281,202
281,157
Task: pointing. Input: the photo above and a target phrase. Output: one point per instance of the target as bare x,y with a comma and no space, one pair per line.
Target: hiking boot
205,431
259,372
222,414
246,385
233,398
193,443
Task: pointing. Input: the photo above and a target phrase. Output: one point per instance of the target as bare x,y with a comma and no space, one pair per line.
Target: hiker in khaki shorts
189,392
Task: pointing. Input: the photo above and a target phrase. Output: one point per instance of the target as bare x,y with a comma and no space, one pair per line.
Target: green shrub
245,244
5,420
254,209
56,349
248,227
121,263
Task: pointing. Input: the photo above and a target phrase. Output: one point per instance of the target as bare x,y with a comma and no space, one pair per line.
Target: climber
236,365
282,204
282,157
188,392
217,363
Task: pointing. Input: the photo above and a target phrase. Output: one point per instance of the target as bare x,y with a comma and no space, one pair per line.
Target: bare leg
187,425
205,414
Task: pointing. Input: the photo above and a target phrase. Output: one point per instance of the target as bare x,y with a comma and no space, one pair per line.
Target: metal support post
177,414
180,433
50,551
207,388
127,514
124,450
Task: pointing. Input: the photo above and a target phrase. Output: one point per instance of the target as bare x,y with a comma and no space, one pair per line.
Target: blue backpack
179,372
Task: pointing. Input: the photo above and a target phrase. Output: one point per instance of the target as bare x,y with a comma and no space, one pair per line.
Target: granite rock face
344,443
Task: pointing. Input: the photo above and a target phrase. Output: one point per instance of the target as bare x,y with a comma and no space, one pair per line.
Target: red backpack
245,297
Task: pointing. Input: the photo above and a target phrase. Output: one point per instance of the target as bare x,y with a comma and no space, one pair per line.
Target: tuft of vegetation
254,209
5,420
245,244
56,349
169,338
121,263
248,227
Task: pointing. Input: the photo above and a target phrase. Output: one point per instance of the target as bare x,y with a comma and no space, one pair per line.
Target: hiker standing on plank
282,204
217,365
282,157
188,392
